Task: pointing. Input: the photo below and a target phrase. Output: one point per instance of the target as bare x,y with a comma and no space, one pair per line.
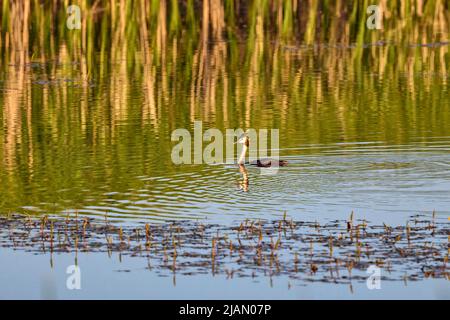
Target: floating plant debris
338,251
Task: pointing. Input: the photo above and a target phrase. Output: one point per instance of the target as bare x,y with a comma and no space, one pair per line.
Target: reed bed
303,251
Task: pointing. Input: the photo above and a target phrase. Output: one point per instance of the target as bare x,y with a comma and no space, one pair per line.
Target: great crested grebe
264,163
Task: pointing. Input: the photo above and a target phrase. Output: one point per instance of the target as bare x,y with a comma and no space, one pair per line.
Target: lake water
365,127
357,140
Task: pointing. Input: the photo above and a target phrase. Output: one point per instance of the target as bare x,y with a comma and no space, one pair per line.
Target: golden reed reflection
139,69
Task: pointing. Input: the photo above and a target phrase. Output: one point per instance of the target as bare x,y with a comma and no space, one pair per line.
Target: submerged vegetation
338,252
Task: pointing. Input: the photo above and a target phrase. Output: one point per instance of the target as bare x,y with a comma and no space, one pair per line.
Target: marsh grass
299,254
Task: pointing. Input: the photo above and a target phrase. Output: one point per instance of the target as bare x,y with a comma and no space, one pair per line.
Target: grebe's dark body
266,163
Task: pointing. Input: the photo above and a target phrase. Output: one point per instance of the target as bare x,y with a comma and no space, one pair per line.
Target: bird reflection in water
243,183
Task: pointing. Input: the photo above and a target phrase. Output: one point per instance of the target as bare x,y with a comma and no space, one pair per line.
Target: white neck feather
242,157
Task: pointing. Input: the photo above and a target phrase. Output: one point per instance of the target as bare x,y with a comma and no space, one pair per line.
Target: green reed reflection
86,111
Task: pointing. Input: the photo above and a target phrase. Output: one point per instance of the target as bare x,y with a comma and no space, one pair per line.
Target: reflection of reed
17,88
294,65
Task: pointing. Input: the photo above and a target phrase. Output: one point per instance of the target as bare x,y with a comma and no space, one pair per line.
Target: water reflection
243,183
86,116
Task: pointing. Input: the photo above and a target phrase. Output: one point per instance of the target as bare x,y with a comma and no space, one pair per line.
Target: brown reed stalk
120,234
330,244
408,233
51,236
213,248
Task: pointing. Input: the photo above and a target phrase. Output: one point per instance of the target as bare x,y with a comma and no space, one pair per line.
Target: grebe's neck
242,157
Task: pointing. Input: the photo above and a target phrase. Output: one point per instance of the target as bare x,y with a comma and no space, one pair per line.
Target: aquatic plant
299,254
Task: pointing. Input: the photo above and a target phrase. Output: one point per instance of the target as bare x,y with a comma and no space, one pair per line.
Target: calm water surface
363,117
355,139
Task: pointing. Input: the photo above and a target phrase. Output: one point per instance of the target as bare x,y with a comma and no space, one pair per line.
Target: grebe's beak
241,138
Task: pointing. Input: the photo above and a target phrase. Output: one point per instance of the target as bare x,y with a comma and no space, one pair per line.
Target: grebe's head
243,139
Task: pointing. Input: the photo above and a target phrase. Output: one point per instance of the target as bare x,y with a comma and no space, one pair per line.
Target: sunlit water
378,182
365,128
94,149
